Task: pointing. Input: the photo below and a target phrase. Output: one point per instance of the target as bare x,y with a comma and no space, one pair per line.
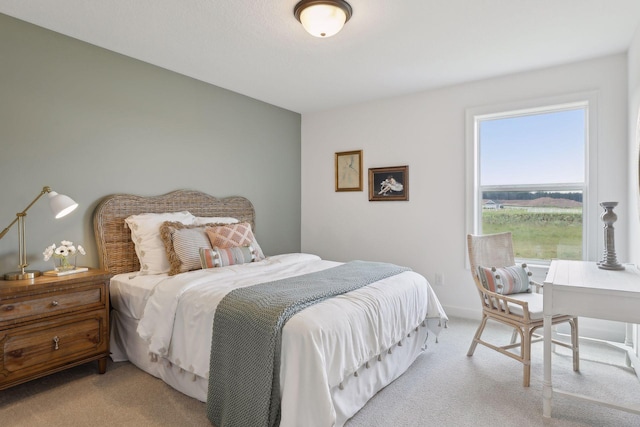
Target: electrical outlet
439,279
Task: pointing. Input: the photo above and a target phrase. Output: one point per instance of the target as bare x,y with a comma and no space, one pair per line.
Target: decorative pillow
505,280
145,234
182,244
204,220
227,236
218,257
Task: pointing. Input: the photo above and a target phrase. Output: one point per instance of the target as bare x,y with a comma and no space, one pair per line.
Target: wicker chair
521,311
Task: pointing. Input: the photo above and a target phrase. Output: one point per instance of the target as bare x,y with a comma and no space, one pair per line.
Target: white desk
581,288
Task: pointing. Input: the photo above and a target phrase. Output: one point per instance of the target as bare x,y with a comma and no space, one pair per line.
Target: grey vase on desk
609,260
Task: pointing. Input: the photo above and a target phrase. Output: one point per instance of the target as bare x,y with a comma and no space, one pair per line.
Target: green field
544,234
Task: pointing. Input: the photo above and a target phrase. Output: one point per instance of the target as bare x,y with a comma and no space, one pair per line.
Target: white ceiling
389,47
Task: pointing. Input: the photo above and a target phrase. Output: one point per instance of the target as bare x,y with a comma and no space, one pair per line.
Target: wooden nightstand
49,324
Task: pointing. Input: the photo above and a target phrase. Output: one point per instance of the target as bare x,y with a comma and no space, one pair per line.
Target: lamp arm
44,191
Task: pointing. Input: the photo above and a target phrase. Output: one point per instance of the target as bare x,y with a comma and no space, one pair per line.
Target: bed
335,355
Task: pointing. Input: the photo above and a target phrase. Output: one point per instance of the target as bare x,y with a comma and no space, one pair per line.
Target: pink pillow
233,235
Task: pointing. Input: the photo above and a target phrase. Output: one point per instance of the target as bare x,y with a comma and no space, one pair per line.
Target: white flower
62,251
48,252
66,249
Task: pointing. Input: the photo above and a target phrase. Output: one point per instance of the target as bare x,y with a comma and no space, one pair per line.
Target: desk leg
547,390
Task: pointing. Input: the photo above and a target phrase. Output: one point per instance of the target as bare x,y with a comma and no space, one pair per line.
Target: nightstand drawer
26,350
43,305
49,324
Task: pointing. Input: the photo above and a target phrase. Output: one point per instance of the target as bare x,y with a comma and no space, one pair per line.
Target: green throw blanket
247,330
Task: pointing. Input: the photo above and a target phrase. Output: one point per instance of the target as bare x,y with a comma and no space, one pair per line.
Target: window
530,177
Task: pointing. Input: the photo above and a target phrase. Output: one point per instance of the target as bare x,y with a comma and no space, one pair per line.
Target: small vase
63,264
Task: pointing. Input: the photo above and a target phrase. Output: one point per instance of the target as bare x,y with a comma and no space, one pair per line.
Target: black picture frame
389,184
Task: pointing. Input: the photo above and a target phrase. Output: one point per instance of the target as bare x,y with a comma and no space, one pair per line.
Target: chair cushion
534,301
505,280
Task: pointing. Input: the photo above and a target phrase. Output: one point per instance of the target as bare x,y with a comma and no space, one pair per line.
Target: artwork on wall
349,171
388,184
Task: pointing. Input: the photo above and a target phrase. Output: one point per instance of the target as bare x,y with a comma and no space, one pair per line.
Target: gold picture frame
389,184
349,171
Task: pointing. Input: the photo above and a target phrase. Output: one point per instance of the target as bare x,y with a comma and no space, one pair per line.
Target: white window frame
587,100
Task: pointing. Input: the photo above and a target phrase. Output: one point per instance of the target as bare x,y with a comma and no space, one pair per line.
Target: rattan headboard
115,248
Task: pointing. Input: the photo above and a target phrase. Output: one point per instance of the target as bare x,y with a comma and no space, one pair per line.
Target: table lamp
60,205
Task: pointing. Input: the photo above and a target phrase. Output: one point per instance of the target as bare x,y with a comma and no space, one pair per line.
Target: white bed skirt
126,345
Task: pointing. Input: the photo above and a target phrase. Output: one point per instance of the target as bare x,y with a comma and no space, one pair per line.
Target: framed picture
349,171
387,184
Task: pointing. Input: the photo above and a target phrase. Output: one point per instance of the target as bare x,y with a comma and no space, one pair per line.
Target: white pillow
145,234
202,220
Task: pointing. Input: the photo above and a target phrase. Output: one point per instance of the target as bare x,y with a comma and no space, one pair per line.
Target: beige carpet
443,388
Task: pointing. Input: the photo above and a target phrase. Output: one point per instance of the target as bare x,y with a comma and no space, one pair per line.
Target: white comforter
321,345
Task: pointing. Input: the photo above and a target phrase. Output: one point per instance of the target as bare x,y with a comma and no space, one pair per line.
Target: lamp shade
60,204
323,18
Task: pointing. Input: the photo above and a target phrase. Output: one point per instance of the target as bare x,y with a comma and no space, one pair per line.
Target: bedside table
49,324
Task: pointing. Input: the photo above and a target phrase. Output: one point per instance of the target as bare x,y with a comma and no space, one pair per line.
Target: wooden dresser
49,324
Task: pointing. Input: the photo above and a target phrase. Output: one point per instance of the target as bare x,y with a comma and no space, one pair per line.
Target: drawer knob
56,340
16,353
54,303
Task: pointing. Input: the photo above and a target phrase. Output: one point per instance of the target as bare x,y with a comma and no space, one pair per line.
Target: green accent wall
89,122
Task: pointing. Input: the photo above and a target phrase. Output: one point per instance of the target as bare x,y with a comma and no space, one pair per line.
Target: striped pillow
505,280
219,257
182,245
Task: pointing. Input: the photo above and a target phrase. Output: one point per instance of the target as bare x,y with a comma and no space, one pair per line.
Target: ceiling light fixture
323,18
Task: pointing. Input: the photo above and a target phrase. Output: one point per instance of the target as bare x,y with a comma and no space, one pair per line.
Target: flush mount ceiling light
323,18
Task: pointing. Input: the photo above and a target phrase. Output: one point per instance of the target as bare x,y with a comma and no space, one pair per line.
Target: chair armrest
499,303
538,286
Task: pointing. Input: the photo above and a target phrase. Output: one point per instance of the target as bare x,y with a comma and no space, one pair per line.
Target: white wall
634,145
427,132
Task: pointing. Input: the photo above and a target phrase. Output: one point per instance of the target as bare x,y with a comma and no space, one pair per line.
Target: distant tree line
527,195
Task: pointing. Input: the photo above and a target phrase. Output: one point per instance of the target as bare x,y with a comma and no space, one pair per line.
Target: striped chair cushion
231,235
505,280
219,257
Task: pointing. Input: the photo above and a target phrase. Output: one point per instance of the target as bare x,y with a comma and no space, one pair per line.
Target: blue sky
535,149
